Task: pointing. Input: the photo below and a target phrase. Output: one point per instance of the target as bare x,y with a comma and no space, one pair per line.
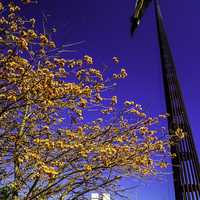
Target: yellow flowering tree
48,148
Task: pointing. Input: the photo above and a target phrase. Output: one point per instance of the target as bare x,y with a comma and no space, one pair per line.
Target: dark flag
140,7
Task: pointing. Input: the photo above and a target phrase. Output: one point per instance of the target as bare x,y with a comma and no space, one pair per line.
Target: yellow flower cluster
50,171
13,8
87,168
114,100
83,102
22,43
146,171
144,129
86,91
31,34
52,44
135,108
96,72
107,111
72,63
48,100
129,103
13,26
88,59
31,155
108,150
49,64
1,6
11,97
32,21
163,164
99,86
158,146
72,88
43,40
47,143
3,20
80,73
26,1
61,62
123,74
179,133
138,113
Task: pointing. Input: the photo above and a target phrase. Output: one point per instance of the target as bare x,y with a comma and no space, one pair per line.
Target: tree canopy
49,149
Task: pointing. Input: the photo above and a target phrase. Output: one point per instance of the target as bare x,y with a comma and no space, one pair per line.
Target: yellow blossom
174,155
13,7
60,62
87,168
62,71
13,27
79,62
60,144
26,1
143,129
159,146
43,40
12,98
52,44
123,73
1,7
45,127
179,133
114,100
32,33
146,171
37,140
49,170
3,20
32,21
79,112
115,76
119,139
87,91
99,86
71,63
83,102
88,59
20,160
22,43
128,103
163,165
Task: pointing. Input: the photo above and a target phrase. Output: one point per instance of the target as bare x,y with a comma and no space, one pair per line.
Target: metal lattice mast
186,167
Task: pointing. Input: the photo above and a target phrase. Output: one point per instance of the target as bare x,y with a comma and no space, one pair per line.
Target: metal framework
186,167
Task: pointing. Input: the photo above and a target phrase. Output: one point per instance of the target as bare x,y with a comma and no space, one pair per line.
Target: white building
105,196
96,196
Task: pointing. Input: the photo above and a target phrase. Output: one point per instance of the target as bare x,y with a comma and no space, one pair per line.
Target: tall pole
186,167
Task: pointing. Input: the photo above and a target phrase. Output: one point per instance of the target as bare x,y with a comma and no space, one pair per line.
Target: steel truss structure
186,167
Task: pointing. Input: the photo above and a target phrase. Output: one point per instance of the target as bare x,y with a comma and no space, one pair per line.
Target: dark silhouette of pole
186,168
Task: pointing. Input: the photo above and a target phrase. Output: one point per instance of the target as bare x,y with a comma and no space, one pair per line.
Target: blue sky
105,27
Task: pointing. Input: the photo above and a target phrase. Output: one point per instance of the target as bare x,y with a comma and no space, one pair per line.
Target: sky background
104,25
